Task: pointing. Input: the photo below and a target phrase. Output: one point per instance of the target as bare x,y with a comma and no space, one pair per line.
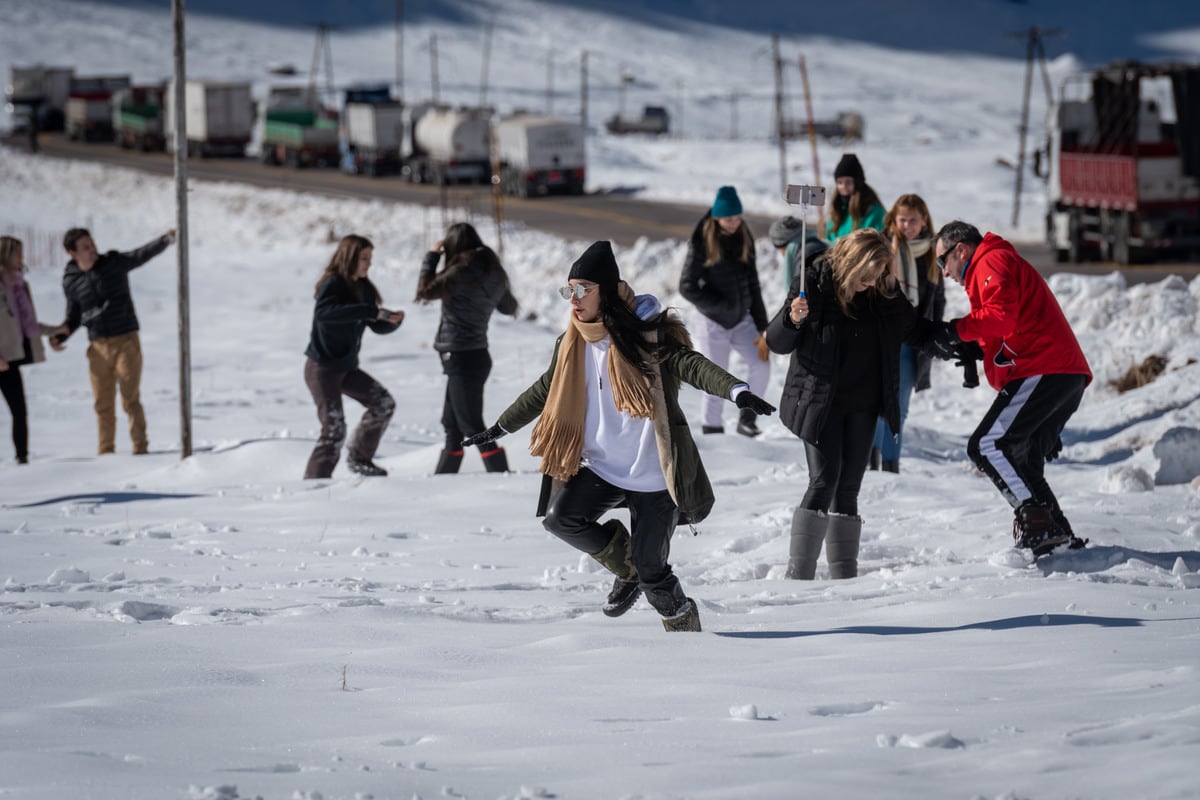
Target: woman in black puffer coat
843,334
472,285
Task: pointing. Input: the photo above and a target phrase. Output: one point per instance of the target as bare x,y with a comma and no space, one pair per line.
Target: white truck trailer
450,145
540,155
218,116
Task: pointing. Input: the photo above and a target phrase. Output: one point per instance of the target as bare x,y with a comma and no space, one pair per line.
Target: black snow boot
841,545
617,558
876,459
712,428
365,467
495,460
1034,528
747,423
448,462
891,466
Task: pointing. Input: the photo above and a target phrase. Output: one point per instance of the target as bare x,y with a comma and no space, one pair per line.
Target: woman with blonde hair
909,228
842,323
20,338
347,303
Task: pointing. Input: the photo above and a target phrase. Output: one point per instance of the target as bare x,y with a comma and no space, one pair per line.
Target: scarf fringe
559,444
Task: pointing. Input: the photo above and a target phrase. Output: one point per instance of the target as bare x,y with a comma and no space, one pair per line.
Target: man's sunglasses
578,291
941,260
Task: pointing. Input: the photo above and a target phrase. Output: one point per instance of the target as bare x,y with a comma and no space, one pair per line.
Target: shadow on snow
1008,624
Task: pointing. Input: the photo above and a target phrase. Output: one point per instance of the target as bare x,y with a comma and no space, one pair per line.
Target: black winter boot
495,460
891,466
366,467
712,428
617,558
876,459
448,462
808,534
747,423
1034,528
841,545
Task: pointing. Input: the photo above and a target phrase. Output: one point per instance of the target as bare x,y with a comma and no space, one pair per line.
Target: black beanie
597,265
849,167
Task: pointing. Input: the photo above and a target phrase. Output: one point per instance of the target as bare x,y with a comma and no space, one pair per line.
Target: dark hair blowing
461,246
344,265
628,331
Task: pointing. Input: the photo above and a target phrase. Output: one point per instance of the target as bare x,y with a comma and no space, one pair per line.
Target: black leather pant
462,410
586,497
837,462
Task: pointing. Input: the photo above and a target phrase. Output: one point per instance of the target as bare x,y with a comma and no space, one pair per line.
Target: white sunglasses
578,291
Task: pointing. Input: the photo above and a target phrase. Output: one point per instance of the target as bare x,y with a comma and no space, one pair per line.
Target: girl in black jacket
347,302
472,285
843,333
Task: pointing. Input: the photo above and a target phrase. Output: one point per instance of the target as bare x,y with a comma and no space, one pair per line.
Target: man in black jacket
97,291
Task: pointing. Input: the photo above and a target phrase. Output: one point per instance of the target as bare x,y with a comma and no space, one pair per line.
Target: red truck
1124,164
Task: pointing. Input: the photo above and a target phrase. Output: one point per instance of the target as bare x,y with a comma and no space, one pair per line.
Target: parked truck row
370,134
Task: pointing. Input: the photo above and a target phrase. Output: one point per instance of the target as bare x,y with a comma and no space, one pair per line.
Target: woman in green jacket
855,204
610,432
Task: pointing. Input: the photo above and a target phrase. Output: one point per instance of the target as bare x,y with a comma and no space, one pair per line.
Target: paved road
595,216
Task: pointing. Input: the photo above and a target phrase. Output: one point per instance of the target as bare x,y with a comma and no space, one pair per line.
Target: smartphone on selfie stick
804,196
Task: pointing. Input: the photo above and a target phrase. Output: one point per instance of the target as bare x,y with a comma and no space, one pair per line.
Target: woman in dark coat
843,332
471,286
347,302
610,432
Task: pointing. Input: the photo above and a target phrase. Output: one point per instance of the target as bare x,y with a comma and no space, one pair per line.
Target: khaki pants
116,363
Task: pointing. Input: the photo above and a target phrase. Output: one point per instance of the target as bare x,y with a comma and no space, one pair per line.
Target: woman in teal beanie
855,204
720,278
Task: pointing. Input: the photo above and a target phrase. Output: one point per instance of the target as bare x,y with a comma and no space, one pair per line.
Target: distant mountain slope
1094,32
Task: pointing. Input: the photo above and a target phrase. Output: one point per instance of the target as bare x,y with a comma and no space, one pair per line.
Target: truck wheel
1075,245
1120,250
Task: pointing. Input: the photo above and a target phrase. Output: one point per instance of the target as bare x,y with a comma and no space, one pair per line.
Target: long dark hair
344,264
461,246
861,200
628,331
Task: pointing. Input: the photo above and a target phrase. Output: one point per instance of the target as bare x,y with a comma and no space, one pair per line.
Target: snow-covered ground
218,628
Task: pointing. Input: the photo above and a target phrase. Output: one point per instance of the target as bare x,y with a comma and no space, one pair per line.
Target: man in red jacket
1031,357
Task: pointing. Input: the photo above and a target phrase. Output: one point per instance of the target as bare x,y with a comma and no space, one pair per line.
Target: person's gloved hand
945,343
753,402
764,352
490,435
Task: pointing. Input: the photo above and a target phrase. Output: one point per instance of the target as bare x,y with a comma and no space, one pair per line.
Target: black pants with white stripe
1020,432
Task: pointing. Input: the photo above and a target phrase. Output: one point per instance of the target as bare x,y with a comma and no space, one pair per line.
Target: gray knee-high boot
841,545
808,532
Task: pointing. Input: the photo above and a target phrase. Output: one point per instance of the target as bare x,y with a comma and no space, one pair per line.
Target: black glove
490,435
968,354
753,402
945,342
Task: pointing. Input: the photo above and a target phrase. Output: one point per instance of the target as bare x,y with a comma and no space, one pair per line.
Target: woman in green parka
610,432
855,204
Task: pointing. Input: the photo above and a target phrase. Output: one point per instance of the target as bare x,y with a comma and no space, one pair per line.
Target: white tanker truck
450,145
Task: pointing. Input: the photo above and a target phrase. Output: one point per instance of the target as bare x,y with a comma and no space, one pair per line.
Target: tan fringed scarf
558,435
905,265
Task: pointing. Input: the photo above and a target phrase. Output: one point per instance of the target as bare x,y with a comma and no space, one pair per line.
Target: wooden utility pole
400,51
583,90
433,68
1033,45
679,109
733,120
486,64
321,50
550,83
181,231
812,138
780,125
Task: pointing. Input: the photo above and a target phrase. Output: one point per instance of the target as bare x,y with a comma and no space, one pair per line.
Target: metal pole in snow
181,230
